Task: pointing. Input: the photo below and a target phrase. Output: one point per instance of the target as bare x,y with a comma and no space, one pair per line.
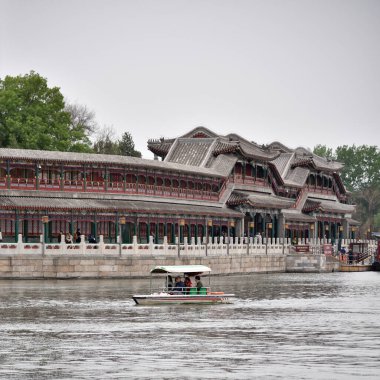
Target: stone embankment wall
22,260
296,263
332,264
63,267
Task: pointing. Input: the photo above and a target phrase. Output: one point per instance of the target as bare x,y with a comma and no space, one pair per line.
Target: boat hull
354,268
174,299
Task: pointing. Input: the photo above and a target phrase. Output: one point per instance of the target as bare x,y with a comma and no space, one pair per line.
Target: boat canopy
186,269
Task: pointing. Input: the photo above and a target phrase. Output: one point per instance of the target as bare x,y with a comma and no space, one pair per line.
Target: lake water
293,326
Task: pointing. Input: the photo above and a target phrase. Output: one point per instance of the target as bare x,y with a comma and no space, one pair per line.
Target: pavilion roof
296,177
353,222
259,200
237,198
298,217
190,151
59,203
336,207
311,205
246,149
324,205
305,158
224,163
269,201
196,146
160,147
281,162
200,147
41,156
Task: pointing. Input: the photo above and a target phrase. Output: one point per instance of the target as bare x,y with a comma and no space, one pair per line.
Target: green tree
361,175
324,151
376,222
127,146
368,205
106,143
33,116
361,166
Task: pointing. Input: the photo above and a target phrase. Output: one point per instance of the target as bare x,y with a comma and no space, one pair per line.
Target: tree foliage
376,222
81,118
324,151
106,143
361,165
361,175
127,146
33,116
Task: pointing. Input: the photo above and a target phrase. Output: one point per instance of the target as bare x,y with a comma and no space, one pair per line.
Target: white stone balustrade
215,247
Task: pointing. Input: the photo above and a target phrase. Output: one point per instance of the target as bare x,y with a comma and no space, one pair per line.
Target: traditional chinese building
204,184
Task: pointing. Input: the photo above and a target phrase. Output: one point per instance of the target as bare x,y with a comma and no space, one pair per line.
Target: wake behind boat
178,294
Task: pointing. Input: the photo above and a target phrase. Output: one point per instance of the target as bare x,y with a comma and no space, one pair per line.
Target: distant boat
168,295
354,267
358,252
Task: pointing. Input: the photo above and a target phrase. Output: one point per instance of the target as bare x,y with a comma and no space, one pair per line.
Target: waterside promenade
104,260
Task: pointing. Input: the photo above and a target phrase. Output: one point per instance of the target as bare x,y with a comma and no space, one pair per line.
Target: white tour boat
172,295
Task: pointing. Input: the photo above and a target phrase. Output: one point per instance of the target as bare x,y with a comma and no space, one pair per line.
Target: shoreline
36,266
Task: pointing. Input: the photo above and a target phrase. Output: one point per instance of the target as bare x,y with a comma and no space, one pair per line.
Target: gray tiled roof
310,206
101,159
301,151
160,147
331,206
224,163
188,151
203,130
353,222
271,201
249,149
298,217
256,152
132,206
191,150
297,176
324,164
275,145
281,162
262,200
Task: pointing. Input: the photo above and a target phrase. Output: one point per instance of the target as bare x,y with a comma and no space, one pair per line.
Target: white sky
300,72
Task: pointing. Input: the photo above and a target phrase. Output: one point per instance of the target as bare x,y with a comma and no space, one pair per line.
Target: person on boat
188,284
179,285
350,256
199,284
169,282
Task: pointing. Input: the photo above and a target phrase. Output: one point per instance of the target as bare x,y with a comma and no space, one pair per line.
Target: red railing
50,184
111,187
23,183
320,190
72,185
3,182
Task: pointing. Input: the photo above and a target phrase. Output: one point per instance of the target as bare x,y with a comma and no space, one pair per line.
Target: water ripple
291,326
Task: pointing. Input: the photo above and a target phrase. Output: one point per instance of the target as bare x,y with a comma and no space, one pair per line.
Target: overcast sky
299,72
